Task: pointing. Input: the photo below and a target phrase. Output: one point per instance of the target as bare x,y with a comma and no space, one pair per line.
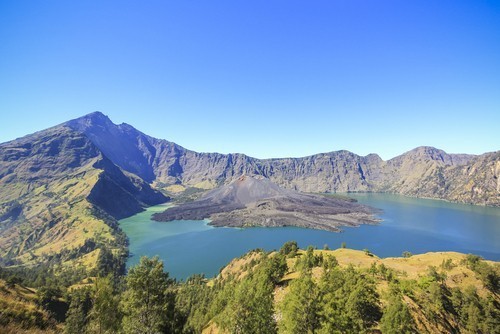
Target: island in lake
253,200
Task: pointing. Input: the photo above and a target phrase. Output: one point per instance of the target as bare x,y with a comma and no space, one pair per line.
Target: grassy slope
412,268
56,217
19,312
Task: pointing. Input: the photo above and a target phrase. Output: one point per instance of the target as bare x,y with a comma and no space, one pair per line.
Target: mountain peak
96,118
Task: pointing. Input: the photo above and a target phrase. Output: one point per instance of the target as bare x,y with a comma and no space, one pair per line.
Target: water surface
410,224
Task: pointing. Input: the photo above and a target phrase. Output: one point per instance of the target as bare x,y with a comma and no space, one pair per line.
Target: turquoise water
410,224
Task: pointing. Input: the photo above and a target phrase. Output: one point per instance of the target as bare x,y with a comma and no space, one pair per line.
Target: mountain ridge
63,188
163,162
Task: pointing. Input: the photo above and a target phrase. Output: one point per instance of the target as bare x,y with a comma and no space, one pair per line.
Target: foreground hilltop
285,291
256,201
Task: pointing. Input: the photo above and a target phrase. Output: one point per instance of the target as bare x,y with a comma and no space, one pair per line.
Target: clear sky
269,78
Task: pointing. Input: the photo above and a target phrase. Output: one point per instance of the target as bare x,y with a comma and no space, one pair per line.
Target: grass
57,217
415,268
19,312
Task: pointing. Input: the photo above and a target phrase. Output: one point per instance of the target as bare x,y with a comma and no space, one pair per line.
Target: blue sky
270,78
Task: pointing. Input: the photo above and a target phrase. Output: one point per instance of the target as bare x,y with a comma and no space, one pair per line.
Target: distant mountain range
63,187
421,172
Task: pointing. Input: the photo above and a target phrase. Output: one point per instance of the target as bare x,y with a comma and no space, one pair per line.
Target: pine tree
146,300
251,308
397,318
300,309
77,315
104,317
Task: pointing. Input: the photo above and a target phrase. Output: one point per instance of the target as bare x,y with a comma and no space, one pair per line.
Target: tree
363,306
349,301
250,308
104,316
146,301
309,260
289,249
300,308
407,254
397,318
78,312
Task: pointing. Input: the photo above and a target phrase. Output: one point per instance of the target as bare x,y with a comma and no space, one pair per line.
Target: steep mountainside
62,189
58,192
424,171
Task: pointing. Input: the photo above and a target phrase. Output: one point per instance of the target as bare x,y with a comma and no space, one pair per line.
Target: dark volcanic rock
256,201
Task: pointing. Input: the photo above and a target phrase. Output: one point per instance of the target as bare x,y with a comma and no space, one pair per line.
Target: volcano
253,200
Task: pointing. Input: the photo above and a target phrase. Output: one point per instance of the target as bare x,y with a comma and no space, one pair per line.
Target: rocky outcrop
256,201
422,172
58,190
68,184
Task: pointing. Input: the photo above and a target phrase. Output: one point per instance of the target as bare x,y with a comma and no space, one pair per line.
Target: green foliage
77,316
329,262
49,298
289,249
147,298
433,273
300,308
349,302
193,302
104,316
447,264
407,254
274,268
341,300
397,318
489,275
308,260
250,310
108,263
246,306
343,244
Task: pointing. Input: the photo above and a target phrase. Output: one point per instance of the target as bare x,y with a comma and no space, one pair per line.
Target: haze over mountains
62,189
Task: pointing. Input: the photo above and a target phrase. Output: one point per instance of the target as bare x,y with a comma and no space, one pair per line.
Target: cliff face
423,172
65,185
57,191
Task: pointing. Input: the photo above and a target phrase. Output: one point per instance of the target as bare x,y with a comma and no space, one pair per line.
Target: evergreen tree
300,309
104,317
145,303
251,308
77,316
349,302
397,318
289,249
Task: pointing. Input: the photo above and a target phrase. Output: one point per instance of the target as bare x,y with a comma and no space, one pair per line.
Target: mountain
60,194
63,189
423,172
256,201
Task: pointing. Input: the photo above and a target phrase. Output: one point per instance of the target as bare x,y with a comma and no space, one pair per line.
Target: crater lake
409,224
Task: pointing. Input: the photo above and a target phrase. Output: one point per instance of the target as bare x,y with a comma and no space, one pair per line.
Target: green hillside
61,198
286,291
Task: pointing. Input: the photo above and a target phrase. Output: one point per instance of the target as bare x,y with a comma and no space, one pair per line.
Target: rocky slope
423,172
58,191
64,186
256,201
